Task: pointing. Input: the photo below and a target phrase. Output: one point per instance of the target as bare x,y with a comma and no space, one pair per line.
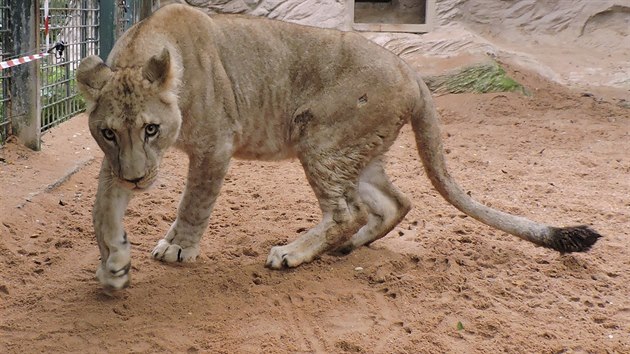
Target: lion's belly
263,143
267,153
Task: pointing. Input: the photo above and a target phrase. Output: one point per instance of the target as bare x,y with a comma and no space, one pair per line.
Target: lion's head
134,116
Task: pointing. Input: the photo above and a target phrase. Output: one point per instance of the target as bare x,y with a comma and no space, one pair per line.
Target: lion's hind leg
334,177
387,206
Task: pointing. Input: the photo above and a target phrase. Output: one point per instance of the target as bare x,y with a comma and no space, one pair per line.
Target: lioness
228,86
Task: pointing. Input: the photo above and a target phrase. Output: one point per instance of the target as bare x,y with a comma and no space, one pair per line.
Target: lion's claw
170,252
283,257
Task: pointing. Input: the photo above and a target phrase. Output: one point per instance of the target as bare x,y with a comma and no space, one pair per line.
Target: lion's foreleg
109,209
181,243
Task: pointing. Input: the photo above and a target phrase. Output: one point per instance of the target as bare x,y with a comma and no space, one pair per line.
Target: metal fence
36,96
73,31
5,52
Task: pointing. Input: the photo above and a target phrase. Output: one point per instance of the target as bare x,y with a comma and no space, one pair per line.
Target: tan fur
233,86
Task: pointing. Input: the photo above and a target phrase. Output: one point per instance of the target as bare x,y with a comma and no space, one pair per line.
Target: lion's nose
135,180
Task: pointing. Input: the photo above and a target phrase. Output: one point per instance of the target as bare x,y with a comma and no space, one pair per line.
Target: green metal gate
73,32
40,93
5,52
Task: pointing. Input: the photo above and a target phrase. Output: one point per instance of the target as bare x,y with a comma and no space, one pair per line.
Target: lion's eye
108,134
151,129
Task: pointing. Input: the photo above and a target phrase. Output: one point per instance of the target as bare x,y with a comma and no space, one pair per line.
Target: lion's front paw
285,257
113,278
171,252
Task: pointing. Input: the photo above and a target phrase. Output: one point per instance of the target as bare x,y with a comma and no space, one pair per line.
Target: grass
482,78
460,326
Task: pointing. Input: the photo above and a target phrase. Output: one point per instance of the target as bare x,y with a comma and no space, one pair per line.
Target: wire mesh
75,23
5,76
127,15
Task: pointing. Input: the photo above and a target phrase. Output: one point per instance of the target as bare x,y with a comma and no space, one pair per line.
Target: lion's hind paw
285,257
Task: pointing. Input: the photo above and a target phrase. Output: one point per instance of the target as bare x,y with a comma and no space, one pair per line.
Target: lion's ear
158,69
92,75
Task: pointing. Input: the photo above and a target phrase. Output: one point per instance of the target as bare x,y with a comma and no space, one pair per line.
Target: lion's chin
137,187
141,188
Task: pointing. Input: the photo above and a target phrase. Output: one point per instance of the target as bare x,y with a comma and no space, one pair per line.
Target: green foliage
59,98
490,77
460,326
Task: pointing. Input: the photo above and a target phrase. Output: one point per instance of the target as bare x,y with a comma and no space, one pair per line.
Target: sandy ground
440,282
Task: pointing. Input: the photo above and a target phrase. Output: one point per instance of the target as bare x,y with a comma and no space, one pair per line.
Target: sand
440,282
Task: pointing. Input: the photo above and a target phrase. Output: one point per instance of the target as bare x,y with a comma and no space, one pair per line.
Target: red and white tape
22,60
46,24
25,59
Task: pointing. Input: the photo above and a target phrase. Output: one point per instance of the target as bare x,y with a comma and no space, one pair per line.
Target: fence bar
76,26
6,51
25,112
146,8
106,28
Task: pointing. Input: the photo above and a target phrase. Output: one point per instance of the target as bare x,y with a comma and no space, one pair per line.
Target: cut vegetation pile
481,78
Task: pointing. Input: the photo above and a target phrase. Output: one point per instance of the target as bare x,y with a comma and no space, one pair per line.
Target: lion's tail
426,128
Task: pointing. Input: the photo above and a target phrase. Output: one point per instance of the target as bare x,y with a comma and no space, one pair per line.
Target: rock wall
581,42
581,20
321,13
540,35
576,17
568,19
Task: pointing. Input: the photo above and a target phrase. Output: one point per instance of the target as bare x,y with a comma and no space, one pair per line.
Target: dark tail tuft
572,239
